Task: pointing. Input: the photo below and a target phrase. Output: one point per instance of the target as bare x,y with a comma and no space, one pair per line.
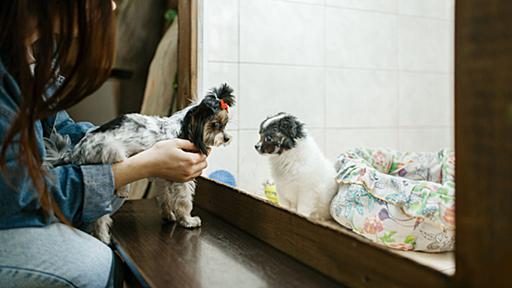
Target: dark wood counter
215,255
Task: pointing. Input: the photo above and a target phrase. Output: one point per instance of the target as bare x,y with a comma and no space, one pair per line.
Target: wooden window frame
187,49
483,145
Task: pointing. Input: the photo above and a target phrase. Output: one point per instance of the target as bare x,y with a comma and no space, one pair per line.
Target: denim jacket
83,193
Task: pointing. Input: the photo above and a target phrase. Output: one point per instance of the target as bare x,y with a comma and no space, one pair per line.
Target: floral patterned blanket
404,201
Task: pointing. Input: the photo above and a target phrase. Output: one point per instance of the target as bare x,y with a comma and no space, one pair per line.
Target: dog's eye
268,138
216,125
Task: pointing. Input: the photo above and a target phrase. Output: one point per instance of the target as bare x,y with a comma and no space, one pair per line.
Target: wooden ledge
161,254
338,253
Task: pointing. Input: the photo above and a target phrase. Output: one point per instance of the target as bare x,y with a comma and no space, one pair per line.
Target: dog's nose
257,147
227,138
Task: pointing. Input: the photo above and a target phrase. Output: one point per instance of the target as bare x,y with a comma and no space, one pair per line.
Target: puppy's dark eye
268,138
216,125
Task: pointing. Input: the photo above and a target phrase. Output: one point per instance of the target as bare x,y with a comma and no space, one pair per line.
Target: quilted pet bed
404,201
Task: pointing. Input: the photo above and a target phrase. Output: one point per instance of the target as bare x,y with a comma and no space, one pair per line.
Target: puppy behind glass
203,123
305,179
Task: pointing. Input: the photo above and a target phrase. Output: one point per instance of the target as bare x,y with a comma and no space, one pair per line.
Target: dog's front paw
105,239
101,229
103,234
190,222
168,215
123,192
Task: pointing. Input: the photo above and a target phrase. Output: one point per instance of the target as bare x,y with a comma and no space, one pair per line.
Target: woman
52,55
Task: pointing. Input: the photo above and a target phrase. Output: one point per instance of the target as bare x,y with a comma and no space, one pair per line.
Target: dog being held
305,179
203,123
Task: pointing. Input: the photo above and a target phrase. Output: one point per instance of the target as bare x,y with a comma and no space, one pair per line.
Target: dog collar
223,105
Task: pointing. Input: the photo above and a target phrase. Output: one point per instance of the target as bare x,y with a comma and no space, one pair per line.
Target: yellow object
271,192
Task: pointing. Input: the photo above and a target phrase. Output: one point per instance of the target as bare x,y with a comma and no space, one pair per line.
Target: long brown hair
75,38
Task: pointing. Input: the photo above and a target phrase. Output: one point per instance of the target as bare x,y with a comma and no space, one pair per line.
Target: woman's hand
176,160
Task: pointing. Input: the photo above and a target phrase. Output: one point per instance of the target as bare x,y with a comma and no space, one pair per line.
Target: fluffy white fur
305,179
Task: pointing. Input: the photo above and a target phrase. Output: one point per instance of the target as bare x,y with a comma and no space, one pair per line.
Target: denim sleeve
64,125
97,181
84,193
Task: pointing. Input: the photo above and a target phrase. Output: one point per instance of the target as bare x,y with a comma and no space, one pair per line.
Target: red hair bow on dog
223,105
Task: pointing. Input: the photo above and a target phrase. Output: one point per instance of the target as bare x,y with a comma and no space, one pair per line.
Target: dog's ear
223,92
197,135
210,102
291,127
286,144
286,125
192,126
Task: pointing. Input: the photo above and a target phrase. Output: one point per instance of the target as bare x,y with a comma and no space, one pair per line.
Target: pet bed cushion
401,200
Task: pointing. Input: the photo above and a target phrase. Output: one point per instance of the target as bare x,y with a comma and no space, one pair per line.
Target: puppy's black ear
287,144
291,127
193,124
223,92
197,135
210,102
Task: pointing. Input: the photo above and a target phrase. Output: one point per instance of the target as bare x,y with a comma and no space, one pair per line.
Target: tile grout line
433,72
397,11
423,17
351,128
324,148
398,145
239,90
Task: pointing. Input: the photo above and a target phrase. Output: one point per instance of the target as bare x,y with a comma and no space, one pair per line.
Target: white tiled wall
360,39
370,73
268,89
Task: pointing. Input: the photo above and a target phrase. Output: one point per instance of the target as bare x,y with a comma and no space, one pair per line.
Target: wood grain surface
345,257
187,51
215,255
483,143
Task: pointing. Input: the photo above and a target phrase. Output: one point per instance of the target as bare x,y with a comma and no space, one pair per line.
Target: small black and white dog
203,123
305,179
